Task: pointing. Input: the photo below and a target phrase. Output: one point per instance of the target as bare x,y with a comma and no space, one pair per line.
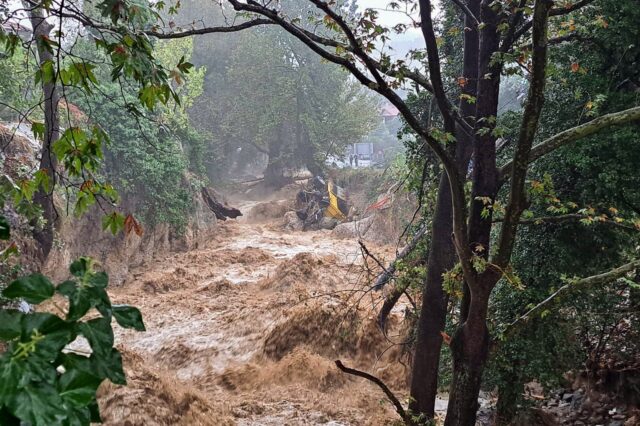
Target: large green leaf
78,416
83,297
79,267
99,280
128,317
72,361
99,334
10,375
78,387
37,404
35,288
109,366
9,324
79,301
54,333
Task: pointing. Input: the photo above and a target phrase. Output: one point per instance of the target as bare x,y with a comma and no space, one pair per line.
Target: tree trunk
471,342
509,395
274,173
433,312
442,257
48,162
470,350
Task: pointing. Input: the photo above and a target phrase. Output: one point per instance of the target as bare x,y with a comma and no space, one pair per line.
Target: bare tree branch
574,134
209,30
388,272
558,11
584,283
433,60
394,400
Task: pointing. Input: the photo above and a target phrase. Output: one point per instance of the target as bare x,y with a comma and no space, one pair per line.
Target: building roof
389,111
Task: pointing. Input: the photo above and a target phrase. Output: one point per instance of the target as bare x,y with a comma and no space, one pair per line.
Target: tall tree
44,234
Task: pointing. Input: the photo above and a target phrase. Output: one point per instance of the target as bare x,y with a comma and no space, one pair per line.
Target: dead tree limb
389,302
388,272
221,210
394,400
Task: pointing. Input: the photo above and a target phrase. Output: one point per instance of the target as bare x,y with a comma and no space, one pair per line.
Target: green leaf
81,266
128,317
38,129
35,288
72,361
10,374
83,297
99,334
78,416
5,229
9,324
37,404
99,280
78,387
114,222
42,179
110,366
46,73
55,333
79,301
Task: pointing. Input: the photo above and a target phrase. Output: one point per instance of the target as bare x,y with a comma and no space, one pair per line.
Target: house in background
382,142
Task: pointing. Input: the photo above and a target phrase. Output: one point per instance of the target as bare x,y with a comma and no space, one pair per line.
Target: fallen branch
221,211
388,274
367,253
394,400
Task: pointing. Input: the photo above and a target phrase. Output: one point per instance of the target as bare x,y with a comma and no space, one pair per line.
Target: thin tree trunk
48,162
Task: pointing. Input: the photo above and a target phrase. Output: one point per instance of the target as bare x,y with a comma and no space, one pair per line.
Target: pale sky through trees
400,42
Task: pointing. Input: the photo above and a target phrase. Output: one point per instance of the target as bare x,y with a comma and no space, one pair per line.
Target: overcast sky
401,43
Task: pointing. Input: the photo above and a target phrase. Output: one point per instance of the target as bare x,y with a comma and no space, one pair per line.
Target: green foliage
15,83
146,156
269,99
43,380
146,165
595,177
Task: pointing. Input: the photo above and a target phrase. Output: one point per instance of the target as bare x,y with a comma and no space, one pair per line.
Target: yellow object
337,203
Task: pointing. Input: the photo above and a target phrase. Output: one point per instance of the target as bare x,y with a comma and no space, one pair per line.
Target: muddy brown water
245,331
